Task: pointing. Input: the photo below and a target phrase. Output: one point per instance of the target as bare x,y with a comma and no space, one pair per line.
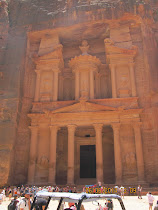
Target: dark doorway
87,161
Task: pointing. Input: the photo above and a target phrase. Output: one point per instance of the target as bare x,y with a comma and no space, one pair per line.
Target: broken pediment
84,106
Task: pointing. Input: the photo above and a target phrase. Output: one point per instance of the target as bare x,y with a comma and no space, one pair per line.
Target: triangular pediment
84,106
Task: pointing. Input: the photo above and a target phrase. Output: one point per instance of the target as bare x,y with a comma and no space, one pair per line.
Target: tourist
139,192
40,204
1,198
156,206
122,190
109,204
3,193
150,200
14,203
10,193
25,203
99,184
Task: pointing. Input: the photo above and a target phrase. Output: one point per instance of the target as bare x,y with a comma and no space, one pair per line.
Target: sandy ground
130,202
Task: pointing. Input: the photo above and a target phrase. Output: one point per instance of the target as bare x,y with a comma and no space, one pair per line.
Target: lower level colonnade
71,153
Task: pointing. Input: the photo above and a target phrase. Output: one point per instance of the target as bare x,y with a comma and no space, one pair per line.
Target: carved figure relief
124,81
130,160
46,88
43,162
84,47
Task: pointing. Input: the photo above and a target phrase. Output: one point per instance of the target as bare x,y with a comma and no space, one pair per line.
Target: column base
119,182
71,184
51,184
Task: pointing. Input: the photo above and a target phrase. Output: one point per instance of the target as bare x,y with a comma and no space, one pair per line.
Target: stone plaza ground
130,202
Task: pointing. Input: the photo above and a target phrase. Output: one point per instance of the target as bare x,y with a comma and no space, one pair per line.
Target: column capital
56,70
115,126
136,125
112,66
54,127
38,72
34,128
98,126
71,127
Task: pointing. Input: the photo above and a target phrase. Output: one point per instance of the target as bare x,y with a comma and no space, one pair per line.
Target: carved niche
121,62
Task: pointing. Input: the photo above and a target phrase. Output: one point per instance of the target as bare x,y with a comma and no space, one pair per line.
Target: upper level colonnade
85,74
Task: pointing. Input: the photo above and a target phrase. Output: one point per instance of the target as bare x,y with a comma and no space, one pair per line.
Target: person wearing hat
25,203
156,207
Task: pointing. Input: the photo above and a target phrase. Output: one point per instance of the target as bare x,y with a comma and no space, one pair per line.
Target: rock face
49,75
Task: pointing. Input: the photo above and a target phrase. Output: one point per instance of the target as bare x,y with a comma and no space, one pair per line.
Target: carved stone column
113,80
91,84
117,153
77,85
37,89
132,76
99,152
55,93
139,150
70,170
33,153
52,154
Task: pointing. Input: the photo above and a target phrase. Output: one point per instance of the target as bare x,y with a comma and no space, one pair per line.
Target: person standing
156,206
122,190
25,204
150,200
139,192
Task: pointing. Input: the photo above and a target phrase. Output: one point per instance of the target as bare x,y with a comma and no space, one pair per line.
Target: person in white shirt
25,203
122,190
150,200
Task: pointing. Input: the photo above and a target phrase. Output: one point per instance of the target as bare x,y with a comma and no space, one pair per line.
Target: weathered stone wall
17,18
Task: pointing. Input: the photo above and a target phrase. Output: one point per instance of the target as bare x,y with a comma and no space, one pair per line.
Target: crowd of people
21,198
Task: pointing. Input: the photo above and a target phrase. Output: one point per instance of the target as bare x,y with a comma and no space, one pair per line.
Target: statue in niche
130,160
46,86
43,162
124,81
84,47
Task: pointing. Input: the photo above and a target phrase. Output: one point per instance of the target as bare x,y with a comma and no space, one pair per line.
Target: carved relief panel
46,87
123,81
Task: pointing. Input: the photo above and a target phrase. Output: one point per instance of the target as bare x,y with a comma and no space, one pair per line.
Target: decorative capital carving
54,128
34,128
38,72
112,66
116,126
71,128
98,126
136,125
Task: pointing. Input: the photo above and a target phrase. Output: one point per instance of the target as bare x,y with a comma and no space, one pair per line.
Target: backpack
12,205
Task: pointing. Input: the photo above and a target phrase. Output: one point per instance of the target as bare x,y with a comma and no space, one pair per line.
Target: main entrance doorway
87,161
